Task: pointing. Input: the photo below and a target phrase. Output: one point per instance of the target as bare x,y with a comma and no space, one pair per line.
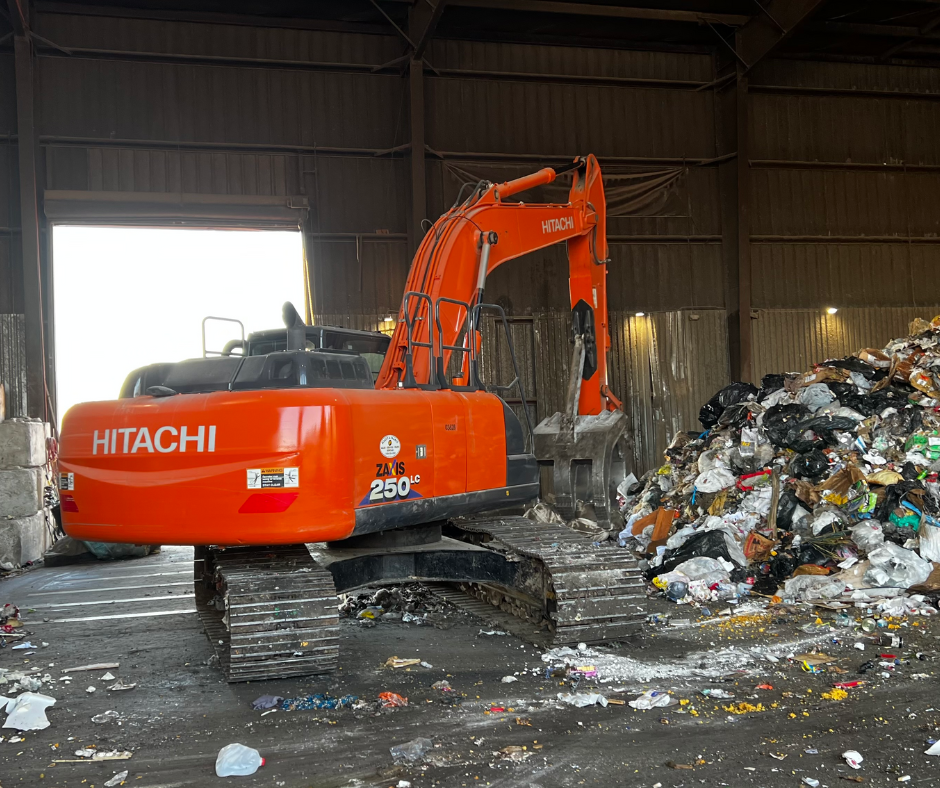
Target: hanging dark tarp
630,191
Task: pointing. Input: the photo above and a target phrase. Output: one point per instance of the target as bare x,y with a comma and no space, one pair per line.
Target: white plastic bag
28,712
237,760
582,699
652,699
929,542
812,587
714,479
708,570
895,567
868,535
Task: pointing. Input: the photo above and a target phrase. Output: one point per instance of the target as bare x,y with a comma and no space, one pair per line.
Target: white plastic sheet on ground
28,712
582,699
652,699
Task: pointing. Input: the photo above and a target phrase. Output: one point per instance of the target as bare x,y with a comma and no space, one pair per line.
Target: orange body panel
448,264
272,466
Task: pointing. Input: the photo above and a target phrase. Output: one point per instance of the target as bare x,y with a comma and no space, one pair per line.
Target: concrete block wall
23,533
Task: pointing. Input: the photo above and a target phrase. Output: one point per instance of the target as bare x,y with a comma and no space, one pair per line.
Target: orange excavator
297,475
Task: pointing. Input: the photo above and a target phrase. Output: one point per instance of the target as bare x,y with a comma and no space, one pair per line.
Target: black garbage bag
735,415
779,419
768,385
787,507
891,500
705,543
731,394
812,465
817,433
853,364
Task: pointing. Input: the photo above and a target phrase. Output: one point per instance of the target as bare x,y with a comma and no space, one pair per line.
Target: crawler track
269,612
578,592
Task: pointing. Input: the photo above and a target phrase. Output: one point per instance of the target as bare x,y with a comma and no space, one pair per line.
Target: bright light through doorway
128,297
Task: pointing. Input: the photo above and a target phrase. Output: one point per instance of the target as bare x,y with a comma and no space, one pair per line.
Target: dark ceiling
870,30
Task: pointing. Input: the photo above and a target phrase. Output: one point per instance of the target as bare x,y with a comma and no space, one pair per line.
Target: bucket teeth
587,455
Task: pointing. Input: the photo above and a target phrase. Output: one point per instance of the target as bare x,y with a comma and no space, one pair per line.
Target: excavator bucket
588,457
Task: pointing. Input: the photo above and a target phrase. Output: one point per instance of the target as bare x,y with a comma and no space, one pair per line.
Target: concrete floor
140,613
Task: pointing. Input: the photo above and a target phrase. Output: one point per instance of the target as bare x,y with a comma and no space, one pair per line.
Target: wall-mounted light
831,310
641,314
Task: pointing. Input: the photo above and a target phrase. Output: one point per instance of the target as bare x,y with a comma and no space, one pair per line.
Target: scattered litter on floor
237,760
412,751
392,700
27,712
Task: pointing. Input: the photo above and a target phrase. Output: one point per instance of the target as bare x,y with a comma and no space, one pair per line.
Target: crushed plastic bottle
237,760
411,751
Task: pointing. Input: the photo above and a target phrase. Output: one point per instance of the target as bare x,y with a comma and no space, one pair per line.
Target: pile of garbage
820,485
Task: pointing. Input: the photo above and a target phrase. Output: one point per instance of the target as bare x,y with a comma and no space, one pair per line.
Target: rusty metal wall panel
357,278
663,367
846,76
583,61
13,362
9,184
844,128
11,274
527,117
359,195
799,275
794,340
826,202
7,95
195,38
641,277
667,365
496,367
652,277
158,101
552,335
362,322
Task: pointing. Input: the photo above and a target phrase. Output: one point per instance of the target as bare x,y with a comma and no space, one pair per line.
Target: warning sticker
66,481
261,478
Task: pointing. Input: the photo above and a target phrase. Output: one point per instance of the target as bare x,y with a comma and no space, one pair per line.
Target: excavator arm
586,445
488,229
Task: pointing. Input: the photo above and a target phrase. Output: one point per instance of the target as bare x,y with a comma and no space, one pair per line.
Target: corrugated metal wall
793,340
13,363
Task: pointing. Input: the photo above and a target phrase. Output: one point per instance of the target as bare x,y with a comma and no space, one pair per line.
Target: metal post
419,198
744,231
29,219
734,184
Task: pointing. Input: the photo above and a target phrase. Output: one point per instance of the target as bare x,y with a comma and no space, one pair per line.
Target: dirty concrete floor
140,613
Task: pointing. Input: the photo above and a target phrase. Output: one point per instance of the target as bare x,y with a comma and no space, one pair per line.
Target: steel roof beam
608,11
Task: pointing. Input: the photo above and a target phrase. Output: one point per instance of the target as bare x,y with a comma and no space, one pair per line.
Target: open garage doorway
128,297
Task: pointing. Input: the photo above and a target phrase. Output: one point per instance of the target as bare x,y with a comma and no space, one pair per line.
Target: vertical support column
734,185
743,162
419,197
29,220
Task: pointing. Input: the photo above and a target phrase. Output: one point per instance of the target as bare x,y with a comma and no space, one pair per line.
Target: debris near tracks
819,486
412,604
